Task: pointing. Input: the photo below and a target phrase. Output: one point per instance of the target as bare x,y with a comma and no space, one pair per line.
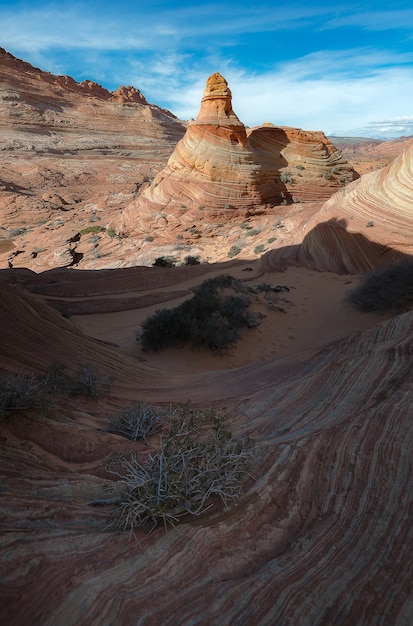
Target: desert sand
313,310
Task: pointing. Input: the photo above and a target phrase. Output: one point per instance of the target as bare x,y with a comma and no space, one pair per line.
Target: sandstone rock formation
366,225
75,157
307,162
321,536
71,155
367,155
322,533
219,170
213,167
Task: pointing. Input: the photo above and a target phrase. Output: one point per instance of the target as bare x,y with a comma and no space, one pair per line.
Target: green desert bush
92,229
199,460
191,260
259,249
212,318
234,251
387,289
164,261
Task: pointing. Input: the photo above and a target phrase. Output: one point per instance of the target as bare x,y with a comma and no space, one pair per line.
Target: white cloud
318,92
330,90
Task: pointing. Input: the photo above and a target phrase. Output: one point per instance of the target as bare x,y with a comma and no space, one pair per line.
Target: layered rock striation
321,536
306,164
213,166
225,170
367,225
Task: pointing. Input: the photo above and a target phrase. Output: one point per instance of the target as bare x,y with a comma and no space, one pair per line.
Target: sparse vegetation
111,232
164,261
138,421
285,177
23,391
92,229
277,224
191,260
387,289
259,249
234,251
211,318
199,459
19,391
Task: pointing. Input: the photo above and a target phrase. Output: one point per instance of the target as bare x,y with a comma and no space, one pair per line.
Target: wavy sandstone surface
364,226
322,534
222,172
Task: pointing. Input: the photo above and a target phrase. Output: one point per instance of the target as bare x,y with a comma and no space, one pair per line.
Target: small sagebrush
22,391
138,421
19,391
199,459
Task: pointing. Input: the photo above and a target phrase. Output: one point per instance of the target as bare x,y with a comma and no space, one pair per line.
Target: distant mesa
226,169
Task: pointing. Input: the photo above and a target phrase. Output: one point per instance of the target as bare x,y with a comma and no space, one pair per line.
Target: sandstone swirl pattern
366,225
321,537
220,170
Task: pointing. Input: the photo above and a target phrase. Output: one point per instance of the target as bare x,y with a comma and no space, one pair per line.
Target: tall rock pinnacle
213,166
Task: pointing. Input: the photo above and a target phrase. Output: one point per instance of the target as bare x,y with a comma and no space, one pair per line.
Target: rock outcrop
321,536
220,170
212,168
306,163
367,225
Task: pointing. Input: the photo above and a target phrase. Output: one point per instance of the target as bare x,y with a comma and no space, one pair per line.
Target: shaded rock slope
366,225
321,535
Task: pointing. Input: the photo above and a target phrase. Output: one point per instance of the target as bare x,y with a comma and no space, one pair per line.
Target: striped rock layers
306,164
213,166
221,168
368,224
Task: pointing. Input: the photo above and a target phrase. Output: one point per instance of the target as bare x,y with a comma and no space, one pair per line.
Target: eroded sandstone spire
227,172
216,103
213,166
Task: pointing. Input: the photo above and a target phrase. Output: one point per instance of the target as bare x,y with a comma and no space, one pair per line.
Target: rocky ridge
97,175
222,172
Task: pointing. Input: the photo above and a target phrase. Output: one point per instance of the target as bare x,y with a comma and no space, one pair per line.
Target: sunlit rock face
306,164
213,166
366,225
221,170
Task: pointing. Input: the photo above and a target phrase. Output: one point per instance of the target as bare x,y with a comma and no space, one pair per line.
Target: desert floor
311,311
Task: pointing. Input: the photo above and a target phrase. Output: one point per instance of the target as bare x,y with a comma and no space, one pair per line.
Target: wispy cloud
285,63
374,20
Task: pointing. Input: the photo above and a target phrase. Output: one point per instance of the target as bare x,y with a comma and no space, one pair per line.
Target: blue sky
341,68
